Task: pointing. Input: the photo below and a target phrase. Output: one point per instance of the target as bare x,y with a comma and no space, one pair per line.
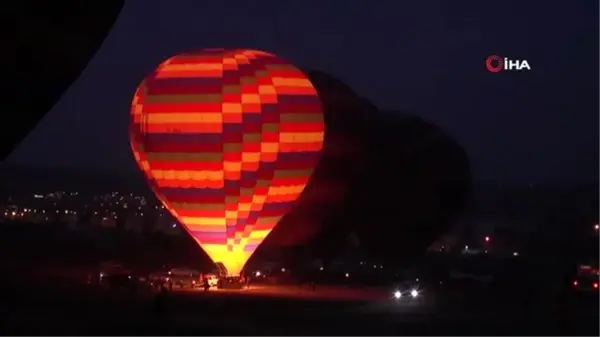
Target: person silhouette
160,308
160,302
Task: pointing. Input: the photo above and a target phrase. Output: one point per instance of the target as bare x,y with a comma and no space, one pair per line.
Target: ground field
77,309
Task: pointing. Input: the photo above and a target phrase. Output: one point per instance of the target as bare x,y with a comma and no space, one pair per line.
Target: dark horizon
134,171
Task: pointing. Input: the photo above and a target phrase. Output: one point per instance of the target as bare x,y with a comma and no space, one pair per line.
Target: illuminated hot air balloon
227,139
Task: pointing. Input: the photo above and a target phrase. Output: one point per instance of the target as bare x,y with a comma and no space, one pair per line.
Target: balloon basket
230,283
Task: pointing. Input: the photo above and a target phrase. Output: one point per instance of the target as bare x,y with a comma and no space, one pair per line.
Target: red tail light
595,285
575,283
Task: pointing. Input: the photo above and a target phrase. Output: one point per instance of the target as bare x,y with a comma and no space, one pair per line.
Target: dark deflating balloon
345,113
392,181
54,41
416,181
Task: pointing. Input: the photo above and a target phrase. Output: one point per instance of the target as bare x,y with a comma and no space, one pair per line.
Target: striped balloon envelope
228,139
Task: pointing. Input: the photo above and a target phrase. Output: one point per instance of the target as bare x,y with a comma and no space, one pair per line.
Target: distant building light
515,253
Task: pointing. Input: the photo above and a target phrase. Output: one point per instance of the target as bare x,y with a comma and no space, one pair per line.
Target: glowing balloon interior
227,139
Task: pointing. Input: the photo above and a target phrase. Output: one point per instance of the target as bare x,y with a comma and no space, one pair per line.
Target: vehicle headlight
397,294
414,293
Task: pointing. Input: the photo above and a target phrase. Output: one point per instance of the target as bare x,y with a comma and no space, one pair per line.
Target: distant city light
596,226
103,208
515,253
347,274
487,239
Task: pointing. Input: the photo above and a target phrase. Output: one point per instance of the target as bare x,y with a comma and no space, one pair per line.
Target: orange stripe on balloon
184,128
172,183
189,74
291,90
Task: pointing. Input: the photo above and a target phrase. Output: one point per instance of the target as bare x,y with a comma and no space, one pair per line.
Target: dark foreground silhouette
56,40
34,308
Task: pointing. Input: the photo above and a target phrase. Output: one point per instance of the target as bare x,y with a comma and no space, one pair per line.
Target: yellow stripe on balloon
301,137
283,190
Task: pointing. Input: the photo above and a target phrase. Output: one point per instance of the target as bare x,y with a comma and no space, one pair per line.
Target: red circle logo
494,63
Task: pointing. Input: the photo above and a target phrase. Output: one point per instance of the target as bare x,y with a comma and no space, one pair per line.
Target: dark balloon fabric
416,182
55,40
392,180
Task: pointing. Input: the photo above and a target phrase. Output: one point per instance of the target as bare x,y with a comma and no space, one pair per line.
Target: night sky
427,57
